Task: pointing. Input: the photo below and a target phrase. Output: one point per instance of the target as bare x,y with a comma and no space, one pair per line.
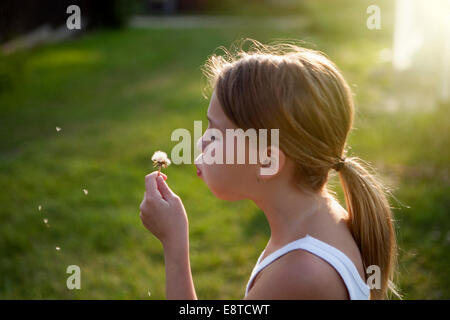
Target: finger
151,188
163,175
166,192
142,205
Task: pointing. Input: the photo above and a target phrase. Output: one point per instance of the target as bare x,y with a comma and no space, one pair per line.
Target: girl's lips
198,171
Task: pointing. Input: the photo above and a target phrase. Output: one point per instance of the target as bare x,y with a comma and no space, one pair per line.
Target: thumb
164,189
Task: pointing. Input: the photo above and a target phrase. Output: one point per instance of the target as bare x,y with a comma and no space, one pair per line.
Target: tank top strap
357,288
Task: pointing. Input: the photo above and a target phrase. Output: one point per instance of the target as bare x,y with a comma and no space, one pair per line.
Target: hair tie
338,166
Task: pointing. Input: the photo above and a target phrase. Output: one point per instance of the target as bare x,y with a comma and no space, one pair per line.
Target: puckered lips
199,172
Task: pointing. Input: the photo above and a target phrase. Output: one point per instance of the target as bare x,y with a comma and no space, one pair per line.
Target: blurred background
82,111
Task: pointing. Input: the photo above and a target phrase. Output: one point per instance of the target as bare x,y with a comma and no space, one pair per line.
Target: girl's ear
271,166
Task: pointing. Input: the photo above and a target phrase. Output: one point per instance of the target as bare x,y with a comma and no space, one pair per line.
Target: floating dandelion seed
58,129
45,221
160,160
149,293
58,248
39,208
85,191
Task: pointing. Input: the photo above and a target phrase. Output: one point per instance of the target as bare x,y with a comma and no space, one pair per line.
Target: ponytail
371,222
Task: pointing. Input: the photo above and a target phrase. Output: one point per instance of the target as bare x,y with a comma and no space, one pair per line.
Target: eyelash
213,138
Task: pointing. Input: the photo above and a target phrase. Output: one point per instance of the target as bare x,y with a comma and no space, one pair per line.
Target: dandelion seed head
160,159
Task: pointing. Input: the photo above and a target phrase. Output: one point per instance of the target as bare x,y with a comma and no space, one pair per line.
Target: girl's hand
162,211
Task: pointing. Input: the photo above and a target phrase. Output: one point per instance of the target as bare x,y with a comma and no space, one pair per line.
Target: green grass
118,95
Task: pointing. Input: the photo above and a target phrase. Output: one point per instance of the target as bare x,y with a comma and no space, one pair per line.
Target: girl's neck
288,211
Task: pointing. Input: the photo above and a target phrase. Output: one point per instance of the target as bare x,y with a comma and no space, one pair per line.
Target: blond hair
303,94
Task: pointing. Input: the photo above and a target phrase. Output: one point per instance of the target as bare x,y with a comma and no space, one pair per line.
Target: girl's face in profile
226,181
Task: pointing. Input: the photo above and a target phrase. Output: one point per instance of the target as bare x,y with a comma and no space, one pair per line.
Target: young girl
317,249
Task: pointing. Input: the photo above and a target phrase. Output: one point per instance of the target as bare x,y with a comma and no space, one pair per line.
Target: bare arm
163,214
179,283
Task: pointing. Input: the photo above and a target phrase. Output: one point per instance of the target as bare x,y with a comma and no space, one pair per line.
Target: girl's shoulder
301,274
298,274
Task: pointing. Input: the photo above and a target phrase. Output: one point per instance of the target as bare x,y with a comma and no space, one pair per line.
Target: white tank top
357,288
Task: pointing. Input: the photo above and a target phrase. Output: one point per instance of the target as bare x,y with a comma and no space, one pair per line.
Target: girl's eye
213,138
